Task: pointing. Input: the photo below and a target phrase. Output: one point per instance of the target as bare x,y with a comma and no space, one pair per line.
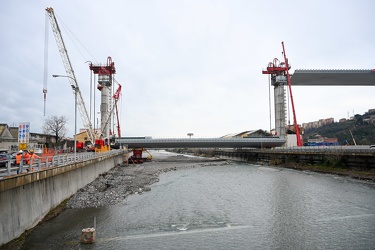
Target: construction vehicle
137,157
101,145
80,147
105,82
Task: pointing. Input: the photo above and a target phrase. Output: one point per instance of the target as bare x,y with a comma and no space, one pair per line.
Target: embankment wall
26,198
363,161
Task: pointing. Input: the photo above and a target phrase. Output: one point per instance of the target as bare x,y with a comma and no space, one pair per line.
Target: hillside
363,133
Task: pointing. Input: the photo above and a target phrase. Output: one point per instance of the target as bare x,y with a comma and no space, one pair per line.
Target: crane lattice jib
70,74
299,141
116,96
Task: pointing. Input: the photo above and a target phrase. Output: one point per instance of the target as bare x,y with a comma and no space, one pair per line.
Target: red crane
299,141
116,96
275,69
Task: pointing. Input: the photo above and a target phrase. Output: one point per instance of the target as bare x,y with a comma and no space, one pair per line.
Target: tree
55,126
358,119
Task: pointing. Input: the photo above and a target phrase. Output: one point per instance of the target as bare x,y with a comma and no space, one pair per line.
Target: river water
237,206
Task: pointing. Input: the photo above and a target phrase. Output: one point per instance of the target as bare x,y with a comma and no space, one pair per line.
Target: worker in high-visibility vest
26,157
19,157
31,158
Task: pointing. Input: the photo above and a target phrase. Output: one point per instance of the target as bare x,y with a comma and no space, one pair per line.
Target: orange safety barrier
50,152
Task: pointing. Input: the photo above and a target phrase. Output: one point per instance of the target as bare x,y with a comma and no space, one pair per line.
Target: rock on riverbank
123,180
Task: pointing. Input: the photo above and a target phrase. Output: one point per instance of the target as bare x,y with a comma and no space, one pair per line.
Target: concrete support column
280,110
104,110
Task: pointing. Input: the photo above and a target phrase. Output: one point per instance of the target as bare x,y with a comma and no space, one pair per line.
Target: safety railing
360,149
52,161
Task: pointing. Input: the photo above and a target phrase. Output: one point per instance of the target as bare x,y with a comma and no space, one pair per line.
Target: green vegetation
363,132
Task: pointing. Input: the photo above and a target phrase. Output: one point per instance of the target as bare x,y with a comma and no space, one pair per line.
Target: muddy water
237,206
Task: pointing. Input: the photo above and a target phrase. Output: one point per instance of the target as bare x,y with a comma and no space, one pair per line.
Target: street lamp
75,89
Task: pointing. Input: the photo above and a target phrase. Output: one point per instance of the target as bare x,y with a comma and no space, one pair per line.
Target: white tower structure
105,81
279,83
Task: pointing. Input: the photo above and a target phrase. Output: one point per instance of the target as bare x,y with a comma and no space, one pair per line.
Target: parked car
13,155
372,146
4,158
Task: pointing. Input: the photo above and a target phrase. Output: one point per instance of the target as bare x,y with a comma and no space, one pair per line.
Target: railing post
9,164
20,168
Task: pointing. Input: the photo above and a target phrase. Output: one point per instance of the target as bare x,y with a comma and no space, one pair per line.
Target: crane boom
299,141
116,96
70,74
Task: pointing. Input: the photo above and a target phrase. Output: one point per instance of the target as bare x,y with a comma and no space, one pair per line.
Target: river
236,206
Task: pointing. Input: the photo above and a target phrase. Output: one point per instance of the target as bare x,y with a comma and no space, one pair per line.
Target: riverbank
368,175
121,181
330,167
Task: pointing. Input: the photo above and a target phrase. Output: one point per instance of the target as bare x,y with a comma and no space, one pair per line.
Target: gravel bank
114,186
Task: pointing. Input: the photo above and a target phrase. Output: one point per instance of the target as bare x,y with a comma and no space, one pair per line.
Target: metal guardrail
360,149
53,161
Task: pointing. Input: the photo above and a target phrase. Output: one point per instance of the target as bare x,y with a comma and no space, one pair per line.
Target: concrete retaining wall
25,199
359,160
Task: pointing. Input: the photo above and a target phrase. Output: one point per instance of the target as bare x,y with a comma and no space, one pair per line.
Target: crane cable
71,36
73,39
269,99
45,73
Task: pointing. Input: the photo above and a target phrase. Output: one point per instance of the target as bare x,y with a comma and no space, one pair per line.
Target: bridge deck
267,142
365,77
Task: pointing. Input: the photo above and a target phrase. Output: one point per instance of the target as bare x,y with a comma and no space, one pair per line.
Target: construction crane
70,74
299,141
116,97
280,76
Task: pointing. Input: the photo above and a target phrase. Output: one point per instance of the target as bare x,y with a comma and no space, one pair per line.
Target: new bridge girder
337,77
268,142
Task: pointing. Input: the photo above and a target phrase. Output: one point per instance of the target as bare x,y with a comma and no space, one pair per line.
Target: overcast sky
185,66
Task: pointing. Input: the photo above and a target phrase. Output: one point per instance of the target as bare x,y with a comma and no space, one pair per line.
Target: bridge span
255,142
